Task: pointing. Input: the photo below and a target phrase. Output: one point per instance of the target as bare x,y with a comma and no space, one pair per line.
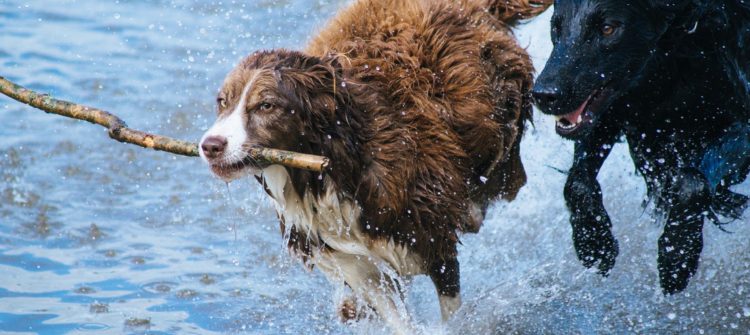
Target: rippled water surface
100,237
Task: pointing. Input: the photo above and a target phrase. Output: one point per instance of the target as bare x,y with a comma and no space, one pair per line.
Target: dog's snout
546,97
214,146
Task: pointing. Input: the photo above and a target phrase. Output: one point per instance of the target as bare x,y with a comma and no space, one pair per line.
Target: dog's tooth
580,119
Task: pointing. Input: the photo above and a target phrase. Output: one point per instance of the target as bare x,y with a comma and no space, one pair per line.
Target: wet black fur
676,74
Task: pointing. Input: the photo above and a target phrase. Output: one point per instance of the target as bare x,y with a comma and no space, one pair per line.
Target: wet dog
672,77
420,107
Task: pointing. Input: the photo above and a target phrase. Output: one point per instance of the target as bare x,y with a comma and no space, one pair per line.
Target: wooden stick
118,130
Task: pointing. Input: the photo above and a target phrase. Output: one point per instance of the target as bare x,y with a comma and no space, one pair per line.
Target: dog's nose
213,146
546,97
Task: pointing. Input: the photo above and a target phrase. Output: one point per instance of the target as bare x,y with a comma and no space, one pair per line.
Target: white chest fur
335,221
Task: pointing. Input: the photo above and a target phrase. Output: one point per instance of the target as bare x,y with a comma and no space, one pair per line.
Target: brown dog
420,105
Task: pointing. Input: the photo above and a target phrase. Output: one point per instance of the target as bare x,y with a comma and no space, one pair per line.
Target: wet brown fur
413,102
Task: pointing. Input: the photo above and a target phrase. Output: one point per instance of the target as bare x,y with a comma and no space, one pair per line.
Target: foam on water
99,237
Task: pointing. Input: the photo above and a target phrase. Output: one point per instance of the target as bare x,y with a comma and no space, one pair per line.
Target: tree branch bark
119,131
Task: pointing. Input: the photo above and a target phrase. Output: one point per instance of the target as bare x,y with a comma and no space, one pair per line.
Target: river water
104,238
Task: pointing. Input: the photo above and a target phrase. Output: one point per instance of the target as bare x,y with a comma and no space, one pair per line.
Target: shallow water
100,237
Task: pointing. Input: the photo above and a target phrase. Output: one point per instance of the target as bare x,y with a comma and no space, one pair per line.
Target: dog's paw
675,277
679,255
596,246
348,311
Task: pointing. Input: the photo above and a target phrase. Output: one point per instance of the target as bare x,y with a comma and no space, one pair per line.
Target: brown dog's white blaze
223,145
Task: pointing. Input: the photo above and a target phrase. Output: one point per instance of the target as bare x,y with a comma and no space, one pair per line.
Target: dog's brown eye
265,106
222,102
608,29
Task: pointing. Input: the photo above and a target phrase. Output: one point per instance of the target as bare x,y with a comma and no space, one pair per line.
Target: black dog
673,78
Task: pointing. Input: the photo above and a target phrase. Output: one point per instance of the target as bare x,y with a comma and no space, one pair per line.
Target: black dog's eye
608,29
265,107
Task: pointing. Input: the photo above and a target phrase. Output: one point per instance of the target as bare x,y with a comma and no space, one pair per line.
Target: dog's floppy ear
311,73
681,10
668,10
669,6
681,17
314,85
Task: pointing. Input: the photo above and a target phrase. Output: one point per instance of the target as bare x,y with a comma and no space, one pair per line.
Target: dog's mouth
583,117
229,171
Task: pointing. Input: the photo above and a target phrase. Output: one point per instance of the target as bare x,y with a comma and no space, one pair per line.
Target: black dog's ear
678,9
669,6
681,16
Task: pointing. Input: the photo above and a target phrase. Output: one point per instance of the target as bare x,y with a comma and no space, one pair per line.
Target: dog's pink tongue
575,116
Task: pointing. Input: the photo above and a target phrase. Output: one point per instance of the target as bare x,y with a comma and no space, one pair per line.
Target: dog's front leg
446,277
370,285
592,229
681,243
